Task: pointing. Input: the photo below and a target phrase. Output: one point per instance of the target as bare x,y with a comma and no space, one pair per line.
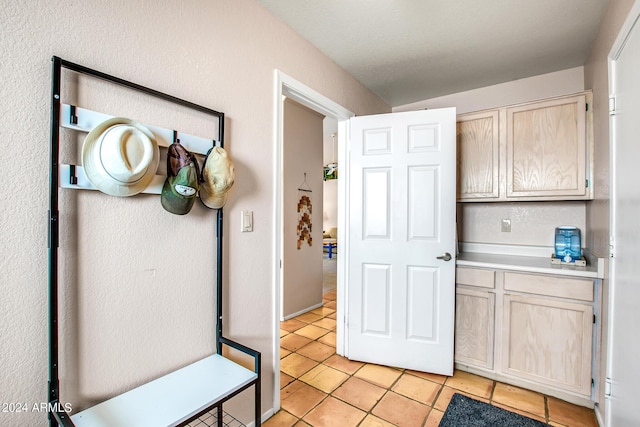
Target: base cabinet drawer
548,341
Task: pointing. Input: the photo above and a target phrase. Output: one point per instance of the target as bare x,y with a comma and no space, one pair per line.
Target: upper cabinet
478,139
535,151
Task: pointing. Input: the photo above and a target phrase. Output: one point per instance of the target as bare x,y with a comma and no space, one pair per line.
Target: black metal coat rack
58,415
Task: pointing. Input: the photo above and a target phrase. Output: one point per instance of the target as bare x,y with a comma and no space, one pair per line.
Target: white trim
303,311
291,88
614,54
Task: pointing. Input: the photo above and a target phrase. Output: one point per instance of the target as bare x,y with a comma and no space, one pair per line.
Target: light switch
247,221
506,226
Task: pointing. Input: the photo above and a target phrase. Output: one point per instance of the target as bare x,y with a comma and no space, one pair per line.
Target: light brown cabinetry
534,151
475,317
478,139
548,330
534,330
546,148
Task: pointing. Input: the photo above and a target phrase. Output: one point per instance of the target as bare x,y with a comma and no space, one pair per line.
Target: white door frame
633,19
286,86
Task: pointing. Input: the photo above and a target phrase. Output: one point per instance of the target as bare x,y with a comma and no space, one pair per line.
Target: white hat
218,175
120,157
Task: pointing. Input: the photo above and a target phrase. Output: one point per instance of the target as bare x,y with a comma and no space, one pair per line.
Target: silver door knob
446,256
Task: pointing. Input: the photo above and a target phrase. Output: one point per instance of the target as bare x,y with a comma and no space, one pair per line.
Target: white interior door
623,370
401,223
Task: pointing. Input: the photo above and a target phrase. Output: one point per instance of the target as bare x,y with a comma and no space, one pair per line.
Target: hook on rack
73,179
73,118
305,186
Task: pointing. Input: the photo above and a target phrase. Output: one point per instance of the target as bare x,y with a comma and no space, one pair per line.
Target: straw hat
120,157
218,175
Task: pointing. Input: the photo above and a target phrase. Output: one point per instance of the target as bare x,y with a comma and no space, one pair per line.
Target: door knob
446,256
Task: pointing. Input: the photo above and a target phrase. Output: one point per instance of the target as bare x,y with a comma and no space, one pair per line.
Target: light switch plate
246,221
505,226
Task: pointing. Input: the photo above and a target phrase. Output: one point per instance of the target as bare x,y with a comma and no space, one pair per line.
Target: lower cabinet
475,314
533,328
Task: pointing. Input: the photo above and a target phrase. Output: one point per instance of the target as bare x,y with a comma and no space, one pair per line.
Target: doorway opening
287,87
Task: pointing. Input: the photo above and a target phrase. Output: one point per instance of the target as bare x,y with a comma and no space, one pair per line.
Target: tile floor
320,388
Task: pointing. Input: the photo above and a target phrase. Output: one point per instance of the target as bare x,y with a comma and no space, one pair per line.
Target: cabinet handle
446,256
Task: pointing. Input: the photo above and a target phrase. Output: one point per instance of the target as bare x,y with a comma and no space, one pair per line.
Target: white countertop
532,264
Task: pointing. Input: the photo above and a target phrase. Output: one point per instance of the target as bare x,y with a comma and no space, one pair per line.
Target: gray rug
466,412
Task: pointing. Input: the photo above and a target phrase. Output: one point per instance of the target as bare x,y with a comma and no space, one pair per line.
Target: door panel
401,216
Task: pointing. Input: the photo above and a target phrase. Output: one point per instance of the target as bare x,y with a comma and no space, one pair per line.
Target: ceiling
411,50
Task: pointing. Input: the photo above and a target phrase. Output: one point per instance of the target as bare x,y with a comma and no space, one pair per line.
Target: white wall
302,266
530,89
532,223
126,317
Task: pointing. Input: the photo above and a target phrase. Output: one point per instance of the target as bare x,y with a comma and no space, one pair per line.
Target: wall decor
303,230
330,171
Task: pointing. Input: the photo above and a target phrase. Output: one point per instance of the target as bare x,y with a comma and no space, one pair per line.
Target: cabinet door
548,341
546,149
474,327
478,147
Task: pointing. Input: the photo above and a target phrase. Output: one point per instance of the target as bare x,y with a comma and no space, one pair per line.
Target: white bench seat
171,399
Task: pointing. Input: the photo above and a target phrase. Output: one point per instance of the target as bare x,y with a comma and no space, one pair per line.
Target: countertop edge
525,264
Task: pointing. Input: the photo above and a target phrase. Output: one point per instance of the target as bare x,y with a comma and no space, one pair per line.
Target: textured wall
302,267
128,312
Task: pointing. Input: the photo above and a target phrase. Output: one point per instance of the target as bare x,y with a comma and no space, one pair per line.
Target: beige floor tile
383,376
284,352
470,383
569,414
283,332
332,316
331,305
292,324
308,317
440,379
323,311
326,323
519,398
447,393
343,364
555,424
296,365
373,421
293,342
324,378
281,419
401,411
359,393
301,424
328,339
434,418
415,388
331,295
317,351
333,413
311,332
285,380
299,398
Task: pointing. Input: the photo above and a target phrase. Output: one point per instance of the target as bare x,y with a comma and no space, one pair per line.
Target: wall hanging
330,170
303,229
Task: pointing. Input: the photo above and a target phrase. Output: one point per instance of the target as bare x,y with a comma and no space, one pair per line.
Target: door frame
632,20
286,86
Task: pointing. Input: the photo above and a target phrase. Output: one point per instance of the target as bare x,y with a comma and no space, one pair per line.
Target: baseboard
313,307
265,416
